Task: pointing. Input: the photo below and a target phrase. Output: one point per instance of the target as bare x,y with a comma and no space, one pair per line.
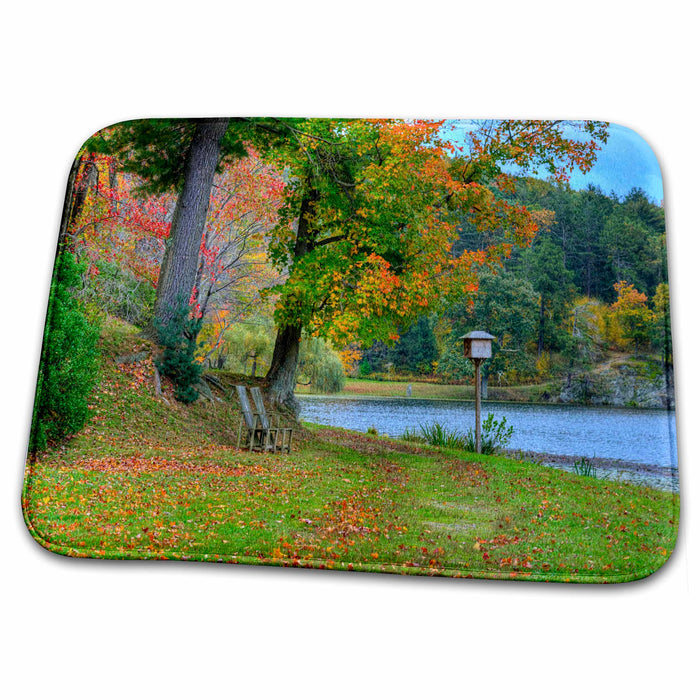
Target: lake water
647,437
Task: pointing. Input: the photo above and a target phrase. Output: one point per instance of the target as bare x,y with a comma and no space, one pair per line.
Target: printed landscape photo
404,346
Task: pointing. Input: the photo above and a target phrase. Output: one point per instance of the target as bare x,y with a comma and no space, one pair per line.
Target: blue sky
626,161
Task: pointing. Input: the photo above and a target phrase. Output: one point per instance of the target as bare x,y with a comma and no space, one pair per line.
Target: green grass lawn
146,479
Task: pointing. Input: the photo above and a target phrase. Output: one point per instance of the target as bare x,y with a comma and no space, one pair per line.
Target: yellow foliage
630,318
543,365
350,356
588,321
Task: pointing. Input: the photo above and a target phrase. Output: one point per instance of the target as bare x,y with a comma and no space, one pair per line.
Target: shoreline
598,462
375,397
654,475
546,458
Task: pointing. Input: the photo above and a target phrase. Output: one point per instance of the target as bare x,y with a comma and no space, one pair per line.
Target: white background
85,629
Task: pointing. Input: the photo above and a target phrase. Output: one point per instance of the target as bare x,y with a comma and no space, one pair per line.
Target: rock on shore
628,382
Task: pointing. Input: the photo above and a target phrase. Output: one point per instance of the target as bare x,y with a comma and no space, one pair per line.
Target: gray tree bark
283,368
83,175
178,271
281,376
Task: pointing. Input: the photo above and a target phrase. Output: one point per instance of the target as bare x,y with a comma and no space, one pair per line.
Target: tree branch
331,239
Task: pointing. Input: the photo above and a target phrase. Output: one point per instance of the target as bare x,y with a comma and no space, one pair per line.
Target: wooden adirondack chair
256,436
260,433
282,435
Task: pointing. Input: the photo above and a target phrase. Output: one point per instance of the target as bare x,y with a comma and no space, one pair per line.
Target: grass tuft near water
495,436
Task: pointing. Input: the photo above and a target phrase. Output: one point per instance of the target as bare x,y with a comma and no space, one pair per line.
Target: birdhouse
477,345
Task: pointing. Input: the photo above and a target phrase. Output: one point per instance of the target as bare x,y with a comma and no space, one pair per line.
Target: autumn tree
123,227
108,214
180,156
233,262
119,233
632,315
586,327
82,177
367,230
178,271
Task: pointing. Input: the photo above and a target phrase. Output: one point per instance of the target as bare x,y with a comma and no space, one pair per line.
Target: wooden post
477,347
477,406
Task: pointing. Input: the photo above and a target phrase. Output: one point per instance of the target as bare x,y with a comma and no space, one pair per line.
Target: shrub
120,293
69,360
495,435
179,340
543,365
451,364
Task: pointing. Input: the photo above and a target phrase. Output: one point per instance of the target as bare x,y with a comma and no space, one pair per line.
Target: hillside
150,478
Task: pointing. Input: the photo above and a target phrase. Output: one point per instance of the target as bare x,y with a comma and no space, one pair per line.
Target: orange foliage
391,214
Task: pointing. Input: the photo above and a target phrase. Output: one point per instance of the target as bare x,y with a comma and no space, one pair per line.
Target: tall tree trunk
82,176
589,264
68,204
178,272
283,369
281,376
540,338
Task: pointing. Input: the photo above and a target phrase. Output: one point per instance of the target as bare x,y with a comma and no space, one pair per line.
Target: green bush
69,360
451,364
364,369
179,340
494,435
